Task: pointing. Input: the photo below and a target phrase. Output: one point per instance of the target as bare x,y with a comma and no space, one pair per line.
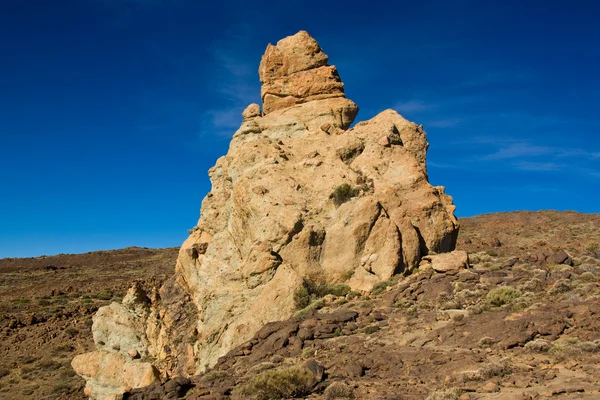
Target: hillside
522,321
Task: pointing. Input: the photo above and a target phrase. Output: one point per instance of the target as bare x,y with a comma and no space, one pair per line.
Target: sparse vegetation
503,295
446,394
593,250
572,347
343,193
311,291
280,383
537,346
487,371
338,390
381,286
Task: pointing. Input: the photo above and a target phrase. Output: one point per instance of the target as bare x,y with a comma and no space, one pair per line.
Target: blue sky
112,111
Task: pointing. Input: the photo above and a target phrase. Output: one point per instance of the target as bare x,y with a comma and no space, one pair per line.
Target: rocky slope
63,292
520,323
46,309
300,201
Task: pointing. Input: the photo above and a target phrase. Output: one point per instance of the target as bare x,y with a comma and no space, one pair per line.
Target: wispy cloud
538,166
234,80
413,106
443,123
517,150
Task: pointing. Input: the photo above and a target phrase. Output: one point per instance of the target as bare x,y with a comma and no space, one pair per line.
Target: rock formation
298,197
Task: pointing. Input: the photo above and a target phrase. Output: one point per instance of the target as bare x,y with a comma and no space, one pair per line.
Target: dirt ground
522,323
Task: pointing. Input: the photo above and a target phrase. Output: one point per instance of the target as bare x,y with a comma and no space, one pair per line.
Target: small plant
281,383
371,329
487,371
311,291
502,295
492,253
593,250
343,193
560,286
447,394
381,286
72,332
572,347
338,390
537,346
486,341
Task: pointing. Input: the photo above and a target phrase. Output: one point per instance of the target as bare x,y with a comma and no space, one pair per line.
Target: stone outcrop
299,196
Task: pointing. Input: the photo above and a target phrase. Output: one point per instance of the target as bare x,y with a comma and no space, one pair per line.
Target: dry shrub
572,347
560,286
447,394
537,346
487,371
281,383
338,390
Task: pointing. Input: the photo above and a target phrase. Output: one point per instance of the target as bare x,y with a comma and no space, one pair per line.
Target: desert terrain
521,322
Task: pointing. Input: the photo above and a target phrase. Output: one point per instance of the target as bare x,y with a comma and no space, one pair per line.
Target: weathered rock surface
298,197
458,259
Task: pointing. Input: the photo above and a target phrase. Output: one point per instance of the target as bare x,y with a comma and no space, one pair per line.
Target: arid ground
523,322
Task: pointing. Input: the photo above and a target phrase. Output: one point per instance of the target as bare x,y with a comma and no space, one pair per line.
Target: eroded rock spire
298,197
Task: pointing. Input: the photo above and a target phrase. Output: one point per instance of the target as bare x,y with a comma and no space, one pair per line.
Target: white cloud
517,150
538,166
413,106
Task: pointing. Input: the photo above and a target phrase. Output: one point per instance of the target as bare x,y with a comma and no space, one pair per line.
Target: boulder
455,260
298,197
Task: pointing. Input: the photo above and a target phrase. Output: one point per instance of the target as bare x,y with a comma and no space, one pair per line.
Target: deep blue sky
111,111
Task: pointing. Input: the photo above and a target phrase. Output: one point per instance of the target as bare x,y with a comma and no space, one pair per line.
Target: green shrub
381,286
343,193
281,383
502,295
311,291
371,329
492,253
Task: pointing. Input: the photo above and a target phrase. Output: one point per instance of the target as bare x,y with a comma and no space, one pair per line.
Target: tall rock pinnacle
298,197
295,71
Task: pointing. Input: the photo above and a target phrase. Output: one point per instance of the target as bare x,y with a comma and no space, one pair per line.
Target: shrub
486,341
72,332
593,250
571,347
537,346
502,295
492,253
311,291
487,371
343,193
448,394
338,390
281,383
381,286
560,286
371,329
